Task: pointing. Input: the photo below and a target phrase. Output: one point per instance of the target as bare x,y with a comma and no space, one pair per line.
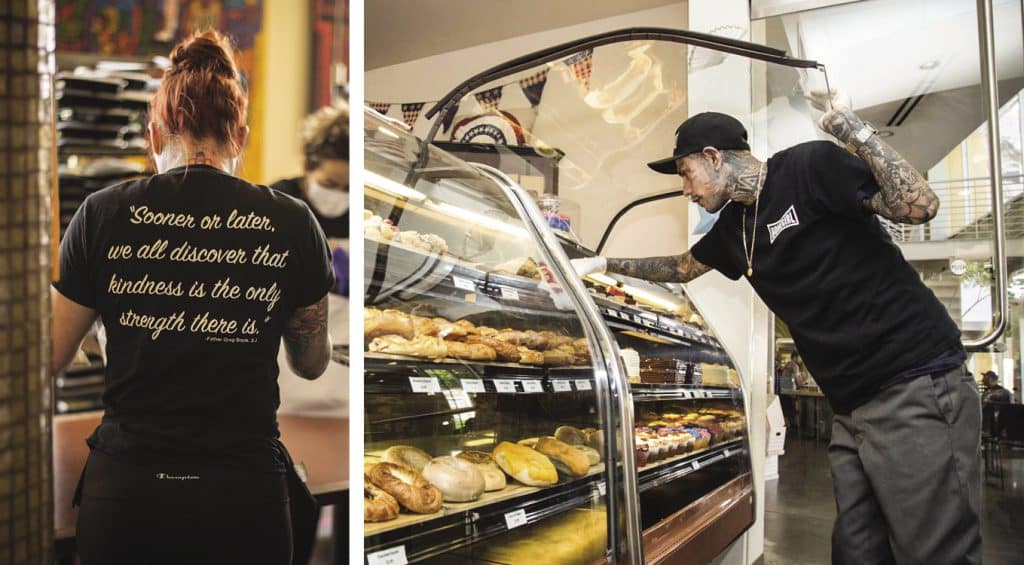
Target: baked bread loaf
515,337
555,339
528,442
525,465
593,457
594,438
423,346
570,435
408,487
470,351
457,479
387,322
378,506
449,330
424,326
567,459
504,351
528,356
558,358
412,457
494,478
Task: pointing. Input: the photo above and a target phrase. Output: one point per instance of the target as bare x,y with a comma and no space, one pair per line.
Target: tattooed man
803,229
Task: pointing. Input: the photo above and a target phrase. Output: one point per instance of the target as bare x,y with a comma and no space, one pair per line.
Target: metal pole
990,93
26,183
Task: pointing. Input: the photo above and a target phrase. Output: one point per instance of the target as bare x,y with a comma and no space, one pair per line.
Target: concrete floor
800,509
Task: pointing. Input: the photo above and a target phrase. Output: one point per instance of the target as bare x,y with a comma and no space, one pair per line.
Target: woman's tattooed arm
673,268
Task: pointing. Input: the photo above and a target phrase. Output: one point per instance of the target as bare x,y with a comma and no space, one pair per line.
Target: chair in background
990,447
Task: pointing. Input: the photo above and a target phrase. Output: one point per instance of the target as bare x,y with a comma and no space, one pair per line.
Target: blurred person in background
994,392
197,276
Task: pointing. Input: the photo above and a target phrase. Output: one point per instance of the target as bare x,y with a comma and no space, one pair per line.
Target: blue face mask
706,221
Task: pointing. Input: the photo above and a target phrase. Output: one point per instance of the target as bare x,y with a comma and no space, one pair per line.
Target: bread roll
594,438
557,358
528,442
423,346
528,356
424,326
408,487
505,352
449,330
593,457
555,339
387,322
508,335
457,479
570,435
525,465
470,351
567,459
486,331
494,478
407,455
534,340
378,505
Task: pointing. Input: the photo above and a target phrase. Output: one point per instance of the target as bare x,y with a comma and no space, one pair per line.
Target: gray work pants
905,473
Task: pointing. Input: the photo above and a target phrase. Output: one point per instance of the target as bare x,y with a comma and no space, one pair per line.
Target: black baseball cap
712,129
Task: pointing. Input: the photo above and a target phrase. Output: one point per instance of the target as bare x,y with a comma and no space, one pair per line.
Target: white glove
820,101
589,265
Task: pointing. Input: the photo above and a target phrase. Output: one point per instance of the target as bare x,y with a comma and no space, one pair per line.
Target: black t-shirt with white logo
195,274
858,312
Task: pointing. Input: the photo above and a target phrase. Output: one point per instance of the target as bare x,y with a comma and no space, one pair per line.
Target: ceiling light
886,133
929,65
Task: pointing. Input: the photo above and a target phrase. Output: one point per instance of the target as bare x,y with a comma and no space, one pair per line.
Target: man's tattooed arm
673,268
306,341
904,194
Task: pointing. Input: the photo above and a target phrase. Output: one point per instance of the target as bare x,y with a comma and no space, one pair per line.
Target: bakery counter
676,467
463,524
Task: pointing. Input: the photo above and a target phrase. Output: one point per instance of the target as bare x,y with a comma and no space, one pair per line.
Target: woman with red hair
197,276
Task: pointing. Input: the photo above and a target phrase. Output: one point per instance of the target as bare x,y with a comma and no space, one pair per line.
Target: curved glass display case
488,431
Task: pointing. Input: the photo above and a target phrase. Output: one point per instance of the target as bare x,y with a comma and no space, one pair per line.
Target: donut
494,478
567,459
457,479
525,465
408,487
407,455
378,506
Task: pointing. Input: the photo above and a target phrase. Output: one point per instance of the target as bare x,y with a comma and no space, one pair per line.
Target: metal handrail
990,91
450,101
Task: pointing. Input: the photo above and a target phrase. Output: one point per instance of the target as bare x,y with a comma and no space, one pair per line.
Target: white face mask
330,203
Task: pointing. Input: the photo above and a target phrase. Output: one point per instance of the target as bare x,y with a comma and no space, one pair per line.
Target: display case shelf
622,317
402,374
676,467
459,525
649,391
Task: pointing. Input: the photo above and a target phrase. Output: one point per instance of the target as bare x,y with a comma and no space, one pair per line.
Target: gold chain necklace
749,254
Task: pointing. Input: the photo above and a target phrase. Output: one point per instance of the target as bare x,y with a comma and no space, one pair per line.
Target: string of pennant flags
580,65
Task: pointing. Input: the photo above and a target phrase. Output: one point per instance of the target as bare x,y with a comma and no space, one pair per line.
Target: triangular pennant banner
410,112
533,86
446,123
382,107
489,99
581,64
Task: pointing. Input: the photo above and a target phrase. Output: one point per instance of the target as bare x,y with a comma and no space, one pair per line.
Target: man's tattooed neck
747,176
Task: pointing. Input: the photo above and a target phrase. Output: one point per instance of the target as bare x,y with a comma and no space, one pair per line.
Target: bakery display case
488,424
458,255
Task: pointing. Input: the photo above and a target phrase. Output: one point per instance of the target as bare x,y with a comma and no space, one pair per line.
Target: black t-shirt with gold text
194,273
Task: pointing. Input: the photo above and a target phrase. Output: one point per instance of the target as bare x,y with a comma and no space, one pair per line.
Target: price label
393,556
687,394
473,385
561,385
505,385
515,519
425,384
533,386
463,283
696,465
509,293
583,384
602,488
